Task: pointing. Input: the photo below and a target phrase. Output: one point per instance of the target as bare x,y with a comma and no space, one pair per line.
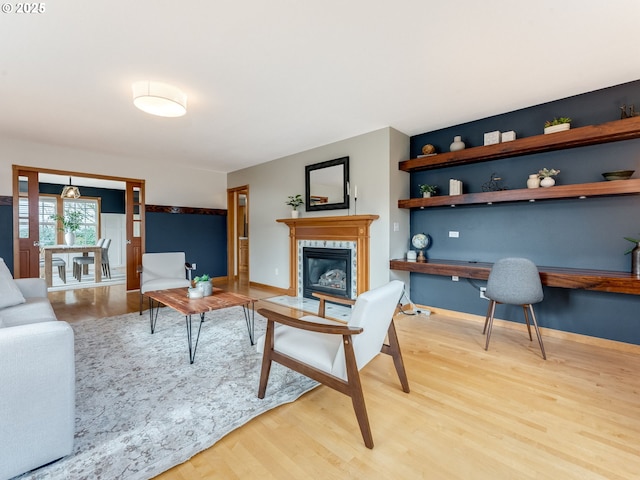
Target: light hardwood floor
471,414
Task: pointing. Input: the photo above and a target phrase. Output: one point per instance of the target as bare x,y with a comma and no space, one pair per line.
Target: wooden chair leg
62,273
486,318
490,313
526,319
535,326
266,359
393,349
355,392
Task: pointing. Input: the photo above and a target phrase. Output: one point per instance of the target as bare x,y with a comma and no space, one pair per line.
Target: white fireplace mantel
344,228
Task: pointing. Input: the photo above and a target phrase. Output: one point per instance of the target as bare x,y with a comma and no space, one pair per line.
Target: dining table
85,250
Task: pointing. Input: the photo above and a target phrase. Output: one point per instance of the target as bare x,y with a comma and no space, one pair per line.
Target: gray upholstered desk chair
514,281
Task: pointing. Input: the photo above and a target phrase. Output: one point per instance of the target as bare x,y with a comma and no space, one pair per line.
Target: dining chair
80,263
333,353
62,267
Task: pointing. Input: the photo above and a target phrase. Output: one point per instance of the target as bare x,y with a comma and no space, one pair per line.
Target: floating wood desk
599,280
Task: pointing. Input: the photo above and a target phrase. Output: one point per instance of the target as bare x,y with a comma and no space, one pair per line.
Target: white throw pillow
10,294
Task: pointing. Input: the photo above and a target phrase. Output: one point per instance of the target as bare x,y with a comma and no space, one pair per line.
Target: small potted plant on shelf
557,125
71,222
427,190
203,282
294,201
546,177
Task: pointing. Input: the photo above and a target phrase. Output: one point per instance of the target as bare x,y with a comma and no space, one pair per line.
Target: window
89,227
47,206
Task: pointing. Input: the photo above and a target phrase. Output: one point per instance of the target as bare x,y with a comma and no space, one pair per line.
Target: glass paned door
135,232
25,198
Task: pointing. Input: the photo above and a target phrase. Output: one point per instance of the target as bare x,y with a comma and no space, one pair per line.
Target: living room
191,162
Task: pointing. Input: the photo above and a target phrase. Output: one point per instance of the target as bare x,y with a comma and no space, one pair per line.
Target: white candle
348,189
355,192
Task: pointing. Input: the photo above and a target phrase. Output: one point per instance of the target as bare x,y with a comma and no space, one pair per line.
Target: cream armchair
333,353
163,270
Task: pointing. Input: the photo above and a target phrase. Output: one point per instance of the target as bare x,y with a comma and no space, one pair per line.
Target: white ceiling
269,78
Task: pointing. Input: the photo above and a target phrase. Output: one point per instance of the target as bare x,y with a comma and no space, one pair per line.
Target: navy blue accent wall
6,235
203,238
576,233
111,200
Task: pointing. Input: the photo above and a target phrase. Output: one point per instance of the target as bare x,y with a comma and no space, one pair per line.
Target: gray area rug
142,408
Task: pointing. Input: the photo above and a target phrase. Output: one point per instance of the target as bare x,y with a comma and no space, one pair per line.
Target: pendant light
69,191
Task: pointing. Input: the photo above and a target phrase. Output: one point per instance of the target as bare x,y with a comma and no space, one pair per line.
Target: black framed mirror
327,185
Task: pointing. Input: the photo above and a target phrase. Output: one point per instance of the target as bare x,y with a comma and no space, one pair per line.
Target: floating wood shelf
615,131
581,190
599,280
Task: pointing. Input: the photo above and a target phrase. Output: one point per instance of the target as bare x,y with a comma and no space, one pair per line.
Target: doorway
238,234
29,215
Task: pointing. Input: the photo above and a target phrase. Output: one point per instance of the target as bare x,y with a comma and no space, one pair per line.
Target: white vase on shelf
533,181
70,238
295,213
547,182
457,144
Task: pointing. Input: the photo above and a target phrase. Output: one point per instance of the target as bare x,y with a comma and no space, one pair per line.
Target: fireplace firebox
326,270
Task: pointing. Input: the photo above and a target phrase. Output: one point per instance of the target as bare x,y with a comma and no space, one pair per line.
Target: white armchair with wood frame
163,270
331,352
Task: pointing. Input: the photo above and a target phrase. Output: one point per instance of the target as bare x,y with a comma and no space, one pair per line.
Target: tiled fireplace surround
349,231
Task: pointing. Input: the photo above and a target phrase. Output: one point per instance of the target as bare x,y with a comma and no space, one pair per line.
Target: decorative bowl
618,175
194,292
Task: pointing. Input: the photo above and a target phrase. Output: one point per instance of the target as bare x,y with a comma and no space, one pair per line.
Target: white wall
114,226
398,188
373,165
165,184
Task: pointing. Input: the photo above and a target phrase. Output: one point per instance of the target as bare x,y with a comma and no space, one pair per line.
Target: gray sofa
37,378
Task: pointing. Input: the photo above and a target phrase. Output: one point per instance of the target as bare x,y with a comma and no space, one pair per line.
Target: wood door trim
232,212
30,253
66,173
24,168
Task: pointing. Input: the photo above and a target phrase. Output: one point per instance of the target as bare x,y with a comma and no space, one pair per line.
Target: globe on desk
421,242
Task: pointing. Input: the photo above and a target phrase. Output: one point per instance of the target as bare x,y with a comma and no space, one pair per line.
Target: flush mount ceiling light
70,191
159,99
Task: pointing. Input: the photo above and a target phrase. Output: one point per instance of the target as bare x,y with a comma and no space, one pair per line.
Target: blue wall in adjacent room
6,235
203,238
576,233
111,200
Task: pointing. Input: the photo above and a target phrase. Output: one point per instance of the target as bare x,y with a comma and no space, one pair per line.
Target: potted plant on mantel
294,201
71,222
557,125
427,190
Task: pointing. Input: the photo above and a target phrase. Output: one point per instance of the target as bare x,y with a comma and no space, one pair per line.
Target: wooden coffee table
177,299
